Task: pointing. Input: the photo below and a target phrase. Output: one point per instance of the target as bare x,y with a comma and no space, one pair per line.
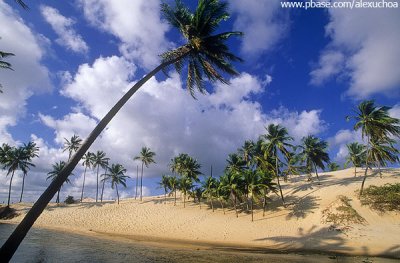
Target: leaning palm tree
99,160
165,185
314,153
356,155
72,145
206,54
32,151
57,168
277,141
87,162
116,173
14,159
146,157
375,124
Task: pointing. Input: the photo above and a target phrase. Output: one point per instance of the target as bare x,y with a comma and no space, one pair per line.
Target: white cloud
339,141
330,64
63,27
263,22
395,111
137,24
368,39
29,76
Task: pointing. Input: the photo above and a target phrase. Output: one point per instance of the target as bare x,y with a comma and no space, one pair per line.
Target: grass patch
382,198
342,213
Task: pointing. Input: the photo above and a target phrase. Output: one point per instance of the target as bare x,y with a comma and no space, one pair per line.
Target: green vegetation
146,157
342,213
382,198
70,200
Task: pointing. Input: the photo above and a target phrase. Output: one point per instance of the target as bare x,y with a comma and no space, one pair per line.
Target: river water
42,245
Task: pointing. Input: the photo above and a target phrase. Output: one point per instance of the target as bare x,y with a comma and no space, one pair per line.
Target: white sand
297,227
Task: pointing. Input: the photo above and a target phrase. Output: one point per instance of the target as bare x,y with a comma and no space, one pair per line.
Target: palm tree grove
233,167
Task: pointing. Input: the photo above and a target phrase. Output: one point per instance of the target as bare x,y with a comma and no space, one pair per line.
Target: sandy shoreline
299,227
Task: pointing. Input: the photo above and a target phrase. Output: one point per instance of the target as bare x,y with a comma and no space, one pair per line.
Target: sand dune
300,226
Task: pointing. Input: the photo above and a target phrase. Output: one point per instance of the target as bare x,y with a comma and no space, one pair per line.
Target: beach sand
300,226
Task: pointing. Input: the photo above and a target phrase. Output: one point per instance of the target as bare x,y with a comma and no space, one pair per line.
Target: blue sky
304,69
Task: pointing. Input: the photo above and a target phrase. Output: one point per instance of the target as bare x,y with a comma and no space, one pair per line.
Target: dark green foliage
382,198
70,200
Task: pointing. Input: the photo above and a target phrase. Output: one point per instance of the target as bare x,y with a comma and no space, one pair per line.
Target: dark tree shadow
301,207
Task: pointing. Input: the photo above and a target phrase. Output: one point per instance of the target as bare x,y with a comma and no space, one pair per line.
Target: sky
304,69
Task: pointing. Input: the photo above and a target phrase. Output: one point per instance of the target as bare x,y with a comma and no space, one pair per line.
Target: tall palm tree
146,157
277,142
230,182
210,189
356,155
165,185
314,152
14,159
383,151
254,187
99,161
173,186
57,168
206,54
72,145
87,162
185,185
375,124
32,151
116,173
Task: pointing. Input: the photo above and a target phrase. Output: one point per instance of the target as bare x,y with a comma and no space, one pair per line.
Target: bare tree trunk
23,184
9,189
58,197
212,205
97,183
355,171
223,208
10,246
366,169
277,177
252,214
264,204
235,203
379,170
175,197
102,191
141,184
137,179
184,200
83,185
316,172
116,187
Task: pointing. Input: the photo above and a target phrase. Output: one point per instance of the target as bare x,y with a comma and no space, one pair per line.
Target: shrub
382,198
69,200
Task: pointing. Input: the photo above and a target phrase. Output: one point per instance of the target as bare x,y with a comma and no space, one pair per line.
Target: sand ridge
299,226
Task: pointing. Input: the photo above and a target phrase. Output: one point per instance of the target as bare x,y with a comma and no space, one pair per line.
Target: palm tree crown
117,175
205,53
72,145
314,152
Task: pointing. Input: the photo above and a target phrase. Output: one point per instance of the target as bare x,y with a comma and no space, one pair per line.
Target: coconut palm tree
185,185
14,159
87,162
375,124
314,153
99,160
56,170
72,145
32,151
254,187
230,182
356,155
165,179
277,142
383,151
173,186
146,157
247,151
333,166
210,188
116,173
206,54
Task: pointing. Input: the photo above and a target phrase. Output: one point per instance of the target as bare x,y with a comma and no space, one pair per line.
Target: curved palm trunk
83,185
251,207
97,183
165,195
277,177
141,184
58,197
366,170
22,190
9,189
137,179
316,172
102,191
10,246
175,197
116,187
184,200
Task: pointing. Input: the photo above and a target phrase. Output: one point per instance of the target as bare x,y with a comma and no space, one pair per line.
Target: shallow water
42,245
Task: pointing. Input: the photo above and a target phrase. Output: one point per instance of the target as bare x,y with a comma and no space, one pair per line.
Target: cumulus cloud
29,75
340,139
63,26
263,22
137,24
368,39
395,111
